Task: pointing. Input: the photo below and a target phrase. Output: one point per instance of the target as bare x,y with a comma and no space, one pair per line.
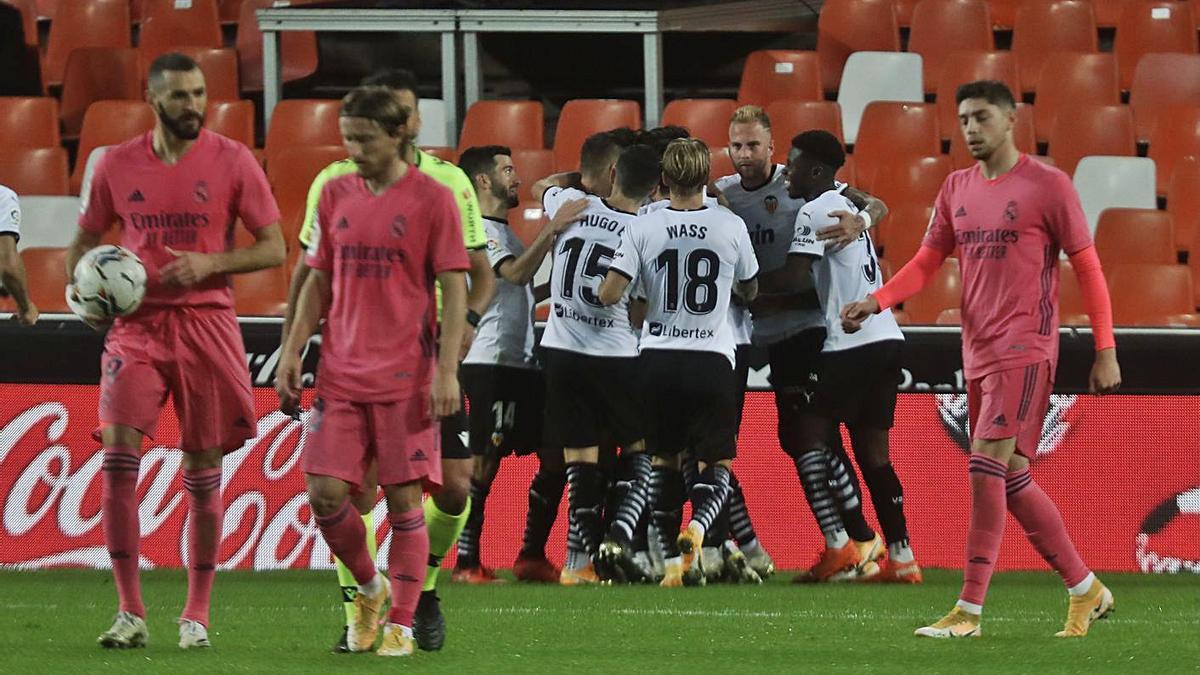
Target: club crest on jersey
201,192
1010,213
771,203
492,245
112,367
399,226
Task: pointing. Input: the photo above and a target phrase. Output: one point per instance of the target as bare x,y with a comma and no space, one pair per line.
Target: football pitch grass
284,622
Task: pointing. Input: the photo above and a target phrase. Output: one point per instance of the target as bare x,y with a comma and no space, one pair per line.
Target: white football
110,281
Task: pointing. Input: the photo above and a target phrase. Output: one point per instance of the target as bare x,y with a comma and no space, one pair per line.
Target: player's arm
311,306
83,242
191,267
613,287
622,270
445,395
794,277
12,276
521,269
569,179
637,312
747,290
850,225
480,292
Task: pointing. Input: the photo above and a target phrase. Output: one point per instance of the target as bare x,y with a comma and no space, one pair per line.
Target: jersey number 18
699,288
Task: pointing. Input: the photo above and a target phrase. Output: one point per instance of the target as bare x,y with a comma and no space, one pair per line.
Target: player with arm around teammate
12,269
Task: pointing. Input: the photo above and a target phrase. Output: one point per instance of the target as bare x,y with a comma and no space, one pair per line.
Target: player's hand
848,228
568,213
1106,373
444,399
289,386
27,316
187,269
855,313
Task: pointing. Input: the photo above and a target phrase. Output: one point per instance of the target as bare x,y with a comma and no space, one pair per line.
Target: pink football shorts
193,354
344,437
1011,403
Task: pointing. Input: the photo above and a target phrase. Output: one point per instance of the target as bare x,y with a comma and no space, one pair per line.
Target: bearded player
383,237
1009,216
177,190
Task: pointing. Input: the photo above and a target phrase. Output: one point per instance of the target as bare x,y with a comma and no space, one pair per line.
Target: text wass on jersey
843,276
578,322
687,262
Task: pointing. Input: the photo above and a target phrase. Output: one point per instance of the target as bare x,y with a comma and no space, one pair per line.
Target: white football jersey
578,322
843,276
770,216
10,213
650,207
687,262
504,336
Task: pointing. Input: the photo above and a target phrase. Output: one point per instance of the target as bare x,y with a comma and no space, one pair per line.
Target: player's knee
406,497
121,436
325,496
456,487
363,502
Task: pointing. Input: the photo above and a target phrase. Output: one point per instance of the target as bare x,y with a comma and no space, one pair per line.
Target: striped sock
739,514
584,495
122,531
633,490
813,468
468,541
1044,527
406,558
205,514
666,499
709,495
986,529
843,485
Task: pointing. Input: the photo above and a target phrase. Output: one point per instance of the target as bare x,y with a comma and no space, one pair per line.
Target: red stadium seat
1070,80
109,123
1108,12
706,118
1023,136
789,118
720,163
1145,292
1135,236
1092,130
780,75
1004,13
233,119
531,166
35,171
944,291
97,74
220,68
581,118
1183,201
168,25
441,152
526,220
962,67
84,23
46,272
1160,82
1044,27
302,121
908,180
1155,26
904,12
891,130
291,176
298,49
516,124
847,26
28,122
229,11
901,232
1176,136
261,293
29,16
848,174
942,27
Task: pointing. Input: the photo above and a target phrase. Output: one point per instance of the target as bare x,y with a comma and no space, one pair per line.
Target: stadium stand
959,68
97,74
532,165
168,24
291,174
789,118
944,291
433,123
581,118
298,49
907,180
1070,80
1041,29
516,124
29,122
706,118
302,122
1161,82
780,75
261,293
1148,27
35,171
49,267
892,130
901,232
876,76
1092,130
1145,294
234,119
848,26
1183,201
1176,136
47,220
84,23
1135,236
109,123
942,27
1112,182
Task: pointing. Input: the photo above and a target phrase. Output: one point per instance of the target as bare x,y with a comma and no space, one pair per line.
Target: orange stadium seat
29,16
46,8
780,75
720,163
28,122
1004,13
441,152
526,220
531,166
303,121
1148,27
291,175
1183,201
1069,80
84,23
35,171
97,74
1135,236
706,118
1044,27
1092,130
949,317
109,123
848,174
901,232
234,119
229,10
1194,259
1108,12
583,117
46,272
1142,293
1160,82
298,49
220,68
516,124
892,129
908,180
944,291
1023,135
261,293
789,118
848,26
942,27
169,24
962,67
1176,136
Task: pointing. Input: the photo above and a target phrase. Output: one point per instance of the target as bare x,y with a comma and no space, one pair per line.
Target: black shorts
506,408
793,363
857,386
454,432
691,404
591,400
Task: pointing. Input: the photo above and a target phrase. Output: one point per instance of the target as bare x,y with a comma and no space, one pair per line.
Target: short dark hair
479,159
659,137
396,79
993,91
376,104
638,171
624,136
821,146
170,61
599,151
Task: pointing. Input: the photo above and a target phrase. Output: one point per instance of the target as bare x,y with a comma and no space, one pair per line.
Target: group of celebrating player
665,286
